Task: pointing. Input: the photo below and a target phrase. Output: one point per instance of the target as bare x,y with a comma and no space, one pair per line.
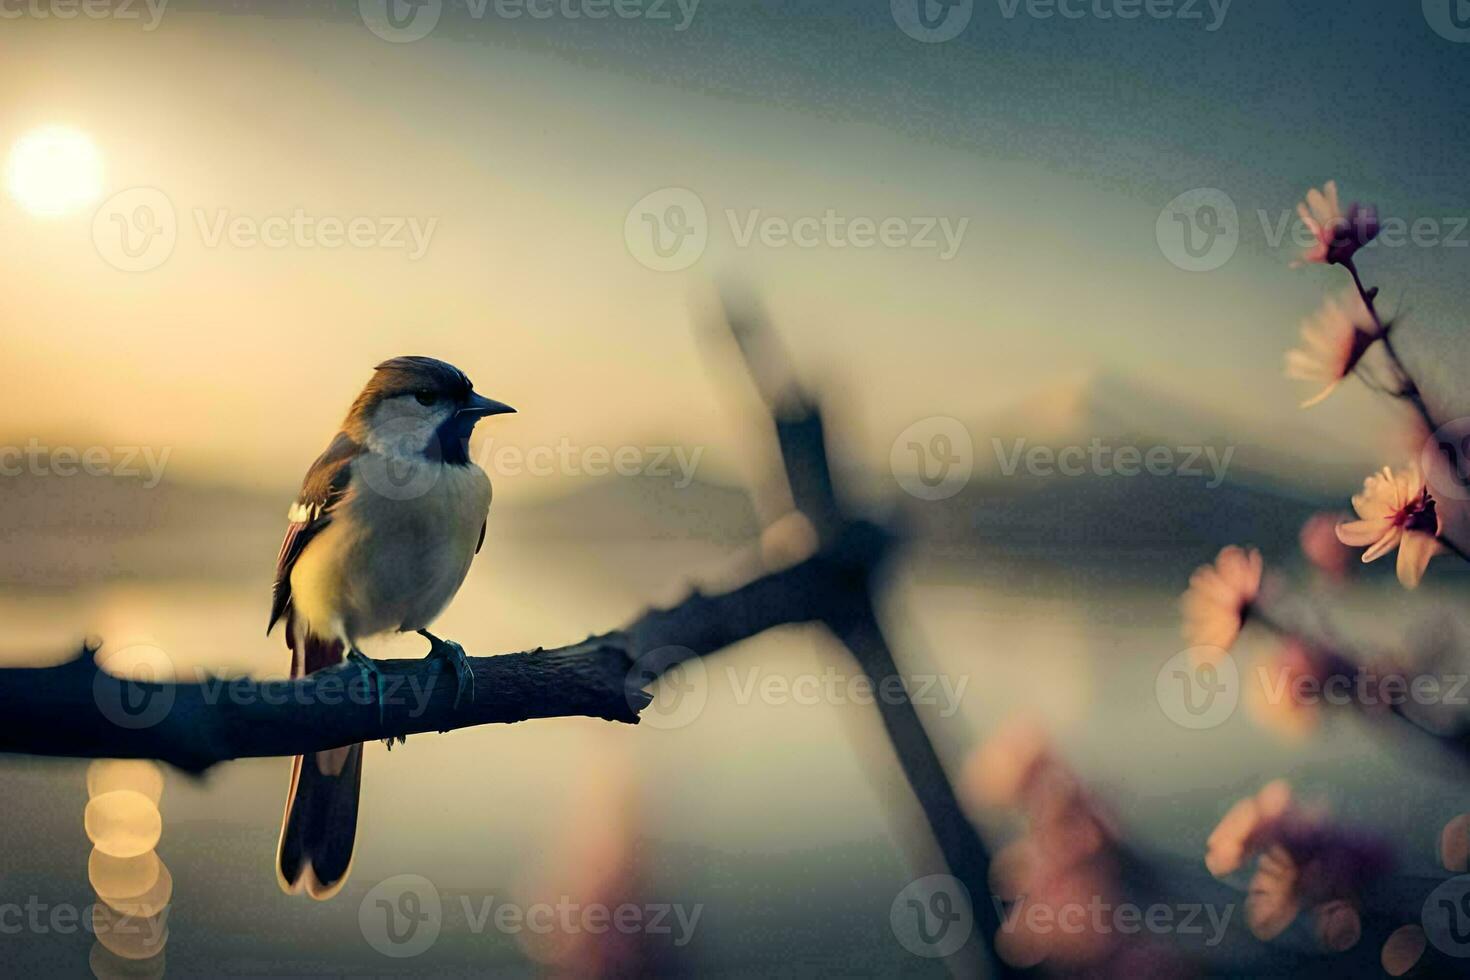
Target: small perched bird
380,539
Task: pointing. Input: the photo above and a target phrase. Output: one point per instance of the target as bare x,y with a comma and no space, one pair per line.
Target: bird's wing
326,485
481,543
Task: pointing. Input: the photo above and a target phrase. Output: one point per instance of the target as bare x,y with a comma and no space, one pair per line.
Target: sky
502,172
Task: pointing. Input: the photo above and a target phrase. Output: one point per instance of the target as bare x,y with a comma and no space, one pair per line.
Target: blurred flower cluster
1061,879
1337,234
1305,863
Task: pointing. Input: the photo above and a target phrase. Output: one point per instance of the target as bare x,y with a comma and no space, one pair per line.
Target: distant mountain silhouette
60,533
1129,411
1140,525
637,508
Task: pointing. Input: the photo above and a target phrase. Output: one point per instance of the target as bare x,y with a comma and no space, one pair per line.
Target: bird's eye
426,397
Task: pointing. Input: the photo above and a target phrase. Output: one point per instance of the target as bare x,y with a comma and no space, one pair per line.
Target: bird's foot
452,656
374,675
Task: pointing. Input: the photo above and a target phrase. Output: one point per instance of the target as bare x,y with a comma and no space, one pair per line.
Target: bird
379,540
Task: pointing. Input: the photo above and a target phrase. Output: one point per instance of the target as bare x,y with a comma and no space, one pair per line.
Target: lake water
778,812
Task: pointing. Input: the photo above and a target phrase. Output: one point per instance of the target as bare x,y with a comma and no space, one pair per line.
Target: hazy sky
519,149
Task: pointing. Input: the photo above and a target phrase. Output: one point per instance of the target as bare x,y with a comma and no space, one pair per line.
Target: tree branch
801,435
194,725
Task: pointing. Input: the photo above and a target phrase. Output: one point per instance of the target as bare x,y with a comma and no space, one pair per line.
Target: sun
54,170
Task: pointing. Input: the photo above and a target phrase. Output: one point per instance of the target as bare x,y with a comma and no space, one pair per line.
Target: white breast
397,550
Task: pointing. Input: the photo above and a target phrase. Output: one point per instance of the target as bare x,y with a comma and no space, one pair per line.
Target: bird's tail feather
320,823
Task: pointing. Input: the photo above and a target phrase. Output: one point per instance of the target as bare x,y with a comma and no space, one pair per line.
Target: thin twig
1409,390
1332,650
800,433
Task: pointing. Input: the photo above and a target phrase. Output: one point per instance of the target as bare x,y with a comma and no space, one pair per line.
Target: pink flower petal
1360,534
1414,554
1384,545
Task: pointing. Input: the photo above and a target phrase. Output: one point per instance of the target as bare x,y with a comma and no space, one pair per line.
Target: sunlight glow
122,823
139,775
116,880
54,170
146,902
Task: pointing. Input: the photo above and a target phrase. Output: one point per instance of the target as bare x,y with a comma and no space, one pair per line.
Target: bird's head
419,406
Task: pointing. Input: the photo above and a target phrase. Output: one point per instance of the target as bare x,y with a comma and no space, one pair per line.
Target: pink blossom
1338,236
1226,848
1395,511
1334,340
1321,547
1403,950
1305,862
1273,901
1274,697
1219,598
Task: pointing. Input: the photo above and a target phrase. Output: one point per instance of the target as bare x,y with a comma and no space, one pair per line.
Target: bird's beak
479,406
